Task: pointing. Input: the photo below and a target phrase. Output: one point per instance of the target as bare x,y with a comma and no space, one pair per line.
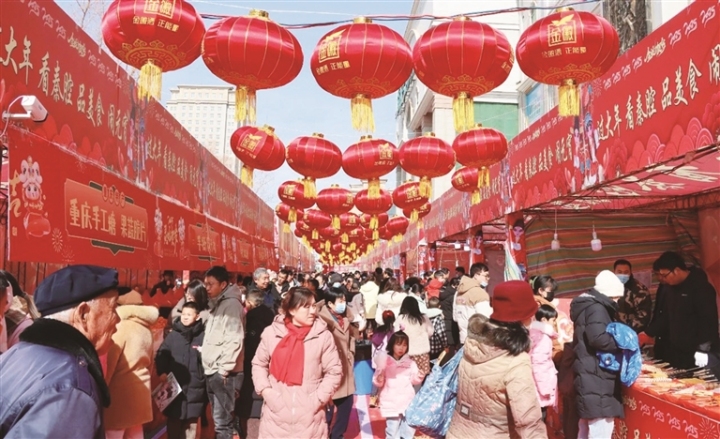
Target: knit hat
513,301
609,284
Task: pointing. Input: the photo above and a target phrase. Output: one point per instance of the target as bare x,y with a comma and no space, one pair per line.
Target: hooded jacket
297,411
57,386
128,368
396,391
180,356
542,336
222,350
496,395
470,299
344,337
389,300
597,390
433,288
369,291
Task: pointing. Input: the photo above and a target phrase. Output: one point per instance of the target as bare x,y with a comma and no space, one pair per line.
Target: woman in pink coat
542,335
296,370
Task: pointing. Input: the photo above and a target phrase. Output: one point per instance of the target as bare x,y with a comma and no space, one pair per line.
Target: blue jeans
397,428
221,392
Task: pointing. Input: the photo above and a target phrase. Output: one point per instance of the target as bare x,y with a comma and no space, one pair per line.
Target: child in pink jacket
396,374
543,368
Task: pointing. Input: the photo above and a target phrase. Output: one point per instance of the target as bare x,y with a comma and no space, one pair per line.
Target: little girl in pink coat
542,333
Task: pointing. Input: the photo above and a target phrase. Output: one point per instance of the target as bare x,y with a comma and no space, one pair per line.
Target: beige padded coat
496,396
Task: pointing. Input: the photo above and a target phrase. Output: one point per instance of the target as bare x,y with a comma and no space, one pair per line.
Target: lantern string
393,18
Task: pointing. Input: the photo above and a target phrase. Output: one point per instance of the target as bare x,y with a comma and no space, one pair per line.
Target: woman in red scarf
296,370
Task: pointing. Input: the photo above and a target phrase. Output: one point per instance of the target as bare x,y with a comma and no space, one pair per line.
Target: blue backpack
432,408
628,360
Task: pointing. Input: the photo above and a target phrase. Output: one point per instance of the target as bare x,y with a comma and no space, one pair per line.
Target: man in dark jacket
261,282
52,381
635,307
685,321
447,300
598,391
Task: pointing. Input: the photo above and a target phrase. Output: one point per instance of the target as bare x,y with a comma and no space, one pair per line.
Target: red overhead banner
93,111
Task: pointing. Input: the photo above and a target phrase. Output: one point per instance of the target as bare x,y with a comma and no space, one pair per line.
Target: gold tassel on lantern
421,224
374,222
353,246
397,238
476,198
344,238
305,241
483,177
373,189
292,215
309,188
315,234
425,187
150,81
327,245
336,222
245,103
569,98
246,176
463,112
362,113
286,228
375,235
414,216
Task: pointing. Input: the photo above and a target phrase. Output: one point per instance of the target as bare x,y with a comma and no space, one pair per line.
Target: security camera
34,108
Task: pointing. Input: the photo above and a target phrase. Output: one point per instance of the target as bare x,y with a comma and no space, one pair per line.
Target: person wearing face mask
472,297
635,306
338,318
544,288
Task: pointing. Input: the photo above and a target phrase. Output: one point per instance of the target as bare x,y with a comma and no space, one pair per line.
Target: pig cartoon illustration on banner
35,219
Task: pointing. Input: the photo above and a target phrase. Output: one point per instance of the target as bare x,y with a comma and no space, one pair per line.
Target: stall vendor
635,306
685,320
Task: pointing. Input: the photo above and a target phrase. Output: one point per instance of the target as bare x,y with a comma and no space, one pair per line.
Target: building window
502,117
533,104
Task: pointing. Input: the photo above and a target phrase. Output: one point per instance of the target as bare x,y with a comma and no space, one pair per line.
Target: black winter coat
178,354
256,320
685,320
447,300
598,390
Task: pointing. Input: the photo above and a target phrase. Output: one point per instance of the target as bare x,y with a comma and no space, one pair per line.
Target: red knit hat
513,301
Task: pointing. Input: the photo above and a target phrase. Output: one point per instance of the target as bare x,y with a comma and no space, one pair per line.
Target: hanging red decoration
465,179
374,207
348,222
292,193
462,59
427,157
369,159
397,226
257,148
407,196
480,148
252,53
316,220
361,61
366,219
282,211
313,157
565,49
153,36
335,201
384,234
422,212
330,235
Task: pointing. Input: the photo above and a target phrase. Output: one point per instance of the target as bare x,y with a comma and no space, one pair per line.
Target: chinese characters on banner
94,113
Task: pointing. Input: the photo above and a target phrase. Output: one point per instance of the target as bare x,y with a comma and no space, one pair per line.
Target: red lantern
427,157
316,220
252,53
480,148
462,59
366,219
257,148
335,201
370,159
397,226
407,196
298,233
422,212
282,211
292,193
465,179
153,36
565,49
373,207
313,157
361,61
348,222
330,235
384,234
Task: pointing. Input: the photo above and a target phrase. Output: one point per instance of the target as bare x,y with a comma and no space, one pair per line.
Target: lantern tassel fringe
569,99
245,105
375,235
327,246
362,113
414,216
344,238
286,228
397,238
425,188
310,191
476,198
292,215
336,222
373,189
315,234
463,112
483,178
150,81
374,223
421,225
246,176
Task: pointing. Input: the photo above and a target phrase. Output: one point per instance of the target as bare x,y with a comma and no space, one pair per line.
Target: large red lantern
427,157
348,222
257,148
292,193
252,53
335,201
313,157
462,59
407,196
373,206
565,49
422,212
397,226
361,61
366,219
153,36
466,179
480,148
282,211
369,159
316,220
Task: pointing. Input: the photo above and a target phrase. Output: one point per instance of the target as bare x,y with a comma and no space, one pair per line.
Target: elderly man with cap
52,381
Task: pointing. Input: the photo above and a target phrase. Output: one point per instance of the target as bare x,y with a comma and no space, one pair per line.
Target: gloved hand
701,359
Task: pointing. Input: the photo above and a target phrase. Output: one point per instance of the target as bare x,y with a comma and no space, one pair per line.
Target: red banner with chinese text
449,215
